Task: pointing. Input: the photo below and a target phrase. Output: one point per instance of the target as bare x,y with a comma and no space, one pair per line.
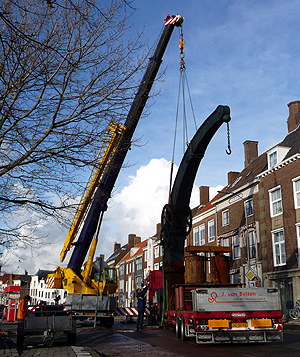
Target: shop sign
14,295
282,276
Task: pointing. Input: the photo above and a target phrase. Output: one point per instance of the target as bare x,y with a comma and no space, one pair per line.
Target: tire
182,332
107,321
20,341
177,329
71,337
294,314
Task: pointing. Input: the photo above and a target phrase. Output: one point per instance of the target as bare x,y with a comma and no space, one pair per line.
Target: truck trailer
215,311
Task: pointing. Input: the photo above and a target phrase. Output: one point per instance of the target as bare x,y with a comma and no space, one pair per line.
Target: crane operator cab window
110,275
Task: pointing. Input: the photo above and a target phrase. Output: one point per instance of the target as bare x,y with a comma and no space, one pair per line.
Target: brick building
134,266
258,216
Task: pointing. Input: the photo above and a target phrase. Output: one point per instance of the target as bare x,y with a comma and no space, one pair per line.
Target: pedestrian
141,304
22,313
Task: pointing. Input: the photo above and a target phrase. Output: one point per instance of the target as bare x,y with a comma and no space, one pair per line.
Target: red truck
210,312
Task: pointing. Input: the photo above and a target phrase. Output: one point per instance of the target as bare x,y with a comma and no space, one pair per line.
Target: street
123,340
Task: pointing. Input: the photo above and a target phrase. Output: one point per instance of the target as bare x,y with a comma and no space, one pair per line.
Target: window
235,278
298,238
272,159
236,248
211,231
145,273
156,266
202,234
225,218
121,270
249,207
126,268
275,202
156,252
145,255
126,288
139,266
252,245
196,236
296,183
278,248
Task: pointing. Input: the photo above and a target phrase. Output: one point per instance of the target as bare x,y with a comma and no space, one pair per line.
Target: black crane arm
176,214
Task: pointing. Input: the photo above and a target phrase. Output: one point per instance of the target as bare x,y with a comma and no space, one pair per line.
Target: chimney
294,115
204,195
158,227
117,246
232,176
251,152
133,240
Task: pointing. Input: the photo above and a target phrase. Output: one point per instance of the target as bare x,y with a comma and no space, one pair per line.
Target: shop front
12,302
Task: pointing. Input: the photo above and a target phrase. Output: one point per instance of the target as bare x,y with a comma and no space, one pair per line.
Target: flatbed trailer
47,321
226,314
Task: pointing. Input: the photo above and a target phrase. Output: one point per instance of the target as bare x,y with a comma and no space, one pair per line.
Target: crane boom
103,192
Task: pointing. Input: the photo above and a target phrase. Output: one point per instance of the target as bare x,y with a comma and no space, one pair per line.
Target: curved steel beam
182,188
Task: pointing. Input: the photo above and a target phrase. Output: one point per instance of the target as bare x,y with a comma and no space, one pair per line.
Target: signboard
14,295
234,299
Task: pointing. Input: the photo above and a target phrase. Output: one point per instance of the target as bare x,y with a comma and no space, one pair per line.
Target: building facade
258,215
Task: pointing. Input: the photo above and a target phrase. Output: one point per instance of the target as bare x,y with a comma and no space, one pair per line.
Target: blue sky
244,54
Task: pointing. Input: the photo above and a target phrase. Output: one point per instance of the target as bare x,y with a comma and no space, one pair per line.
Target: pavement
112,344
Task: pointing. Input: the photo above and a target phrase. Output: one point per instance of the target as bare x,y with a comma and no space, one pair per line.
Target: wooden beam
207,248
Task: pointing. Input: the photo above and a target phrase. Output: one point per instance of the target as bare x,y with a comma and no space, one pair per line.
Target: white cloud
136,208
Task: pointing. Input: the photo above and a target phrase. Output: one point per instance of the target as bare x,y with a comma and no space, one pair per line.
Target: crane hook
228,151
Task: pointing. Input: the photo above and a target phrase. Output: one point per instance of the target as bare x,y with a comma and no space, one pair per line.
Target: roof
260,164
292,140
130,255
209,205
42,274
249,173
116,253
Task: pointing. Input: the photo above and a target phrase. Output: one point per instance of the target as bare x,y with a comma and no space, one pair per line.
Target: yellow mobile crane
96,279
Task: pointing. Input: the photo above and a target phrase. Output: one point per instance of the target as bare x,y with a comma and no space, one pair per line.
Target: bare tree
64,75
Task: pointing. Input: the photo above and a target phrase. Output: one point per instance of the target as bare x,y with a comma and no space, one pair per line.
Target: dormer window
276,155
272,159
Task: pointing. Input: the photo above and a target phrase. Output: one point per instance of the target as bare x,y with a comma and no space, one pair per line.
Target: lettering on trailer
231,299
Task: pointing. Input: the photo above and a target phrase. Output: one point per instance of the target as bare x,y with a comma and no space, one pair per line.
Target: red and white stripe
129,311
50,282
169,20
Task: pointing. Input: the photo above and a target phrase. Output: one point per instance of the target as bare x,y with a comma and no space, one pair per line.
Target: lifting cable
183,85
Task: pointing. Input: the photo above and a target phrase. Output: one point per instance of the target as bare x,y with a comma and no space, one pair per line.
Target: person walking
141,304
22,313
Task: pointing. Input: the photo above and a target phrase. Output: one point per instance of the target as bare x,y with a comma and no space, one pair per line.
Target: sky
244,54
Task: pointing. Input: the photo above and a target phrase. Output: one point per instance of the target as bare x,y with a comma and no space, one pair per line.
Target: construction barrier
129,311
